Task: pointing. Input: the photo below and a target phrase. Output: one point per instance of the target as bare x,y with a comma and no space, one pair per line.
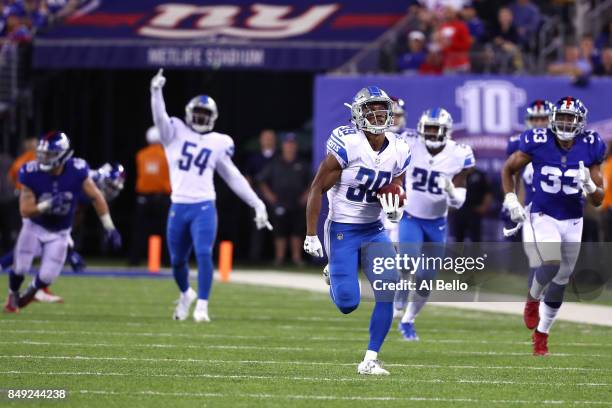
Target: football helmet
568,118
53,150
399,115
110,179
367,119
538,109
435,127
201,113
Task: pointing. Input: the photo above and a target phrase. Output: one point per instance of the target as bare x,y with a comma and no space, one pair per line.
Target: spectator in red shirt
454,39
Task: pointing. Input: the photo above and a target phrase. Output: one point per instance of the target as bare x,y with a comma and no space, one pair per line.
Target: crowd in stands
20,20
453,36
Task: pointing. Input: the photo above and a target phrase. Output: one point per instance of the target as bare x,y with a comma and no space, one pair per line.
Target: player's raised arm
101,207
241,187
327,175
158,107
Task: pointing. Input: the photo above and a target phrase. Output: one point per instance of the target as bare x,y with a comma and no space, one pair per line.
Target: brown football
393,189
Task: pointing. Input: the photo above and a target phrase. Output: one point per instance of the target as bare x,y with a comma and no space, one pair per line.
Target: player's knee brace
554,295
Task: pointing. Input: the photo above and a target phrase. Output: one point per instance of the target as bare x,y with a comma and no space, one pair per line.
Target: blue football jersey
556,191
68,185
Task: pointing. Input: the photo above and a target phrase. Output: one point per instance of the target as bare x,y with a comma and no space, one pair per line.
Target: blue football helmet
53,150
435,127
110,179
539,109
568,118
367,119
201,113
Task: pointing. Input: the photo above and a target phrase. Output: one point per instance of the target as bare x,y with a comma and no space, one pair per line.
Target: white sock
413,309
202,304
184,294
547,317
370,355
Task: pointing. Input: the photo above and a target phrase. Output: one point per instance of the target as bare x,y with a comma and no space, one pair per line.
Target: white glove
391,206
159,80
312,246
584,179
261,218
514,207
446,185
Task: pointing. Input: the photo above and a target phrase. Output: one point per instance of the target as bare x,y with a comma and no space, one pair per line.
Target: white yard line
571,312
293,378
275,348
313,363
284,338
341,398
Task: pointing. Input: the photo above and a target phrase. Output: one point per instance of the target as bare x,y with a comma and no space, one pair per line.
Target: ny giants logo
263,22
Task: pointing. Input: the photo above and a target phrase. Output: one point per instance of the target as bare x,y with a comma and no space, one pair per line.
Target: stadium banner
309,35
483,271
486,110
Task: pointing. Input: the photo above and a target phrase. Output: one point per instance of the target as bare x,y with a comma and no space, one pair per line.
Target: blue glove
76,261
113,238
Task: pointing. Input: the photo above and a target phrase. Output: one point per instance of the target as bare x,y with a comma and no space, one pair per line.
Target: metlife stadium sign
241,34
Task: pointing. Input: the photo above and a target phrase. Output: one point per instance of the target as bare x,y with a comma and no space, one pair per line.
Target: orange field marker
155,244
226,249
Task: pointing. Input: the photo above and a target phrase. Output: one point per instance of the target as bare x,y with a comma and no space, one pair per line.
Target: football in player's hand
393,189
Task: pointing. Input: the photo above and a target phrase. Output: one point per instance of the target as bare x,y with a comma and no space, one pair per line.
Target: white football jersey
353,199
424,199
192,158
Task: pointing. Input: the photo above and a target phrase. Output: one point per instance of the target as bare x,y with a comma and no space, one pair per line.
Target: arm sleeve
23,177
469,160
599,151
527,144
160,116
513,145
236,181
337,147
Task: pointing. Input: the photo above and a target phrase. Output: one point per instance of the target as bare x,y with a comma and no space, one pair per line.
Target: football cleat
408,332
11,303
183,304
46,296
531,313
371,367
540,343
27,297
200,313
326,275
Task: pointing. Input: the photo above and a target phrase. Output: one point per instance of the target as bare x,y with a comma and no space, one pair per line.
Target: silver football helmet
367,119
435,127
399,116
201,113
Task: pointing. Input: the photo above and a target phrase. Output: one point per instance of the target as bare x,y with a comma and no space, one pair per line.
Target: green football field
113,344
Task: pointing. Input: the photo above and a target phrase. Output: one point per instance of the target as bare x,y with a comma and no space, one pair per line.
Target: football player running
52,185
361,159
566,167
194,152
109,179
436,181
536,116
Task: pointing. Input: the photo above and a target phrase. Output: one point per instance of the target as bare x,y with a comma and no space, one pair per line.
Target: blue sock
554,295
15,280
545,273
181,275
7,260
205,275
380,323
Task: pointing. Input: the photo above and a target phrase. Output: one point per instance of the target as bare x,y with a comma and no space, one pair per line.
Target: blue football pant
192,226
343,246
